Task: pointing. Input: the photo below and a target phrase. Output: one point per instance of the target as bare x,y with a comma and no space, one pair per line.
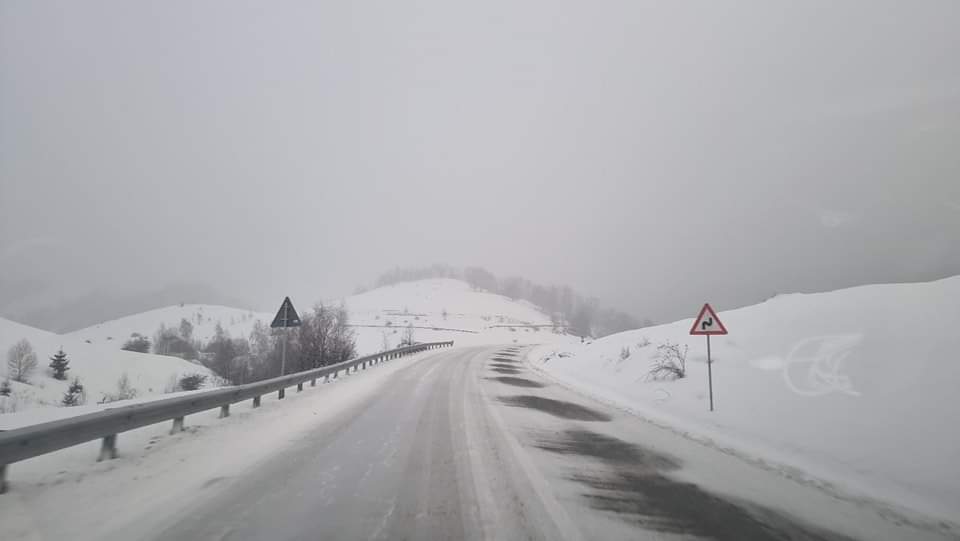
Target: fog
655,155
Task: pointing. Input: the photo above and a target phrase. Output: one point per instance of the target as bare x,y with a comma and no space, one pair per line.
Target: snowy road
471,444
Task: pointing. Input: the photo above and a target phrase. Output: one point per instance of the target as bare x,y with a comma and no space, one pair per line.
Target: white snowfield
857,387
158,475
446,309
98,365
438,310
203,317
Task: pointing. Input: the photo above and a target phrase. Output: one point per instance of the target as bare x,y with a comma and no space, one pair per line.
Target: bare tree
344,340
21,361
408,339
186,330
125,391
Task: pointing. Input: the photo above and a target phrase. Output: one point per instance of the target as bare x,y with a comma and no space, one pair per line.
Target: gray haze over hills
655,155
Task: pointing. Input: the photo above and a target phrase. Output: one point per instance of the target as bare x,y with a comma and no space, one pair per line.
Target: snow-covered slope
436,309
98,365
203,317
439,309
858,385
445,309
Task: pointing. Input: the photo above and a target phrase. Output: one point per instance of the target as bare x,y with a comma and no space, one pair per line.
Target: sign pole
709,372
286,317
706,324
283,348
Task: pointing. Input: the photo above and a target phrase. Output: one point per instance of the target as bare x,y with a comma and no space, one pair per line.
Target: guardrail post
299,387
225,411
177,425
256,401
313,382
3,478
108,448
281,393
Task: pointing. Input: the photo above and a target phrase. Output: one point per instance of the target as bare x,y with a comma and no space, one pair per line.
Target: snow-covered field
159,475
98,365
857,387
445,309
440,309
203,317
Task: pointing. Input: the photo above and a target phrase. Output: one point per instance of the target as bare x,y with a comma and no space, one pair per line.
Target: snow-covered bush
138,343
75,395
669,363
192,382
125,391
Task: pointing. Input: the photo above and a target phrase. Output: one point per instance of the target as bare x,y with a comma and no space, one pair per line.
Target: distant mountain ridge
49,311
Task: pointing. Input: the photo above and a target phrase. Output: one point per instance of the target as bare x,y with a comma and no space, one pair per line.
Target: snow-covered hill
203,317
857,385
98,365
445,309
438,309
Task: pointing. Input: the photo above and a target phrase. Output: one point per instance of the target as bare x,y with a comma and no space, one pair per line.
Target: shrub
624,353
192,382
138,343
125,391
669,363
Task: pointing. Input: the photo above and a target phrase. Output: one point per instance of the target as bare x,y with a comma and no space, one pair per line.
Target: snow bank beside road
159,476
857,386
98,365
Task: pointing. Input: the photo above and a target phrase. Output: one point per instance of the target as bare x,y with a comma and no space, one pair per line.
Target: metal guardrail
35,440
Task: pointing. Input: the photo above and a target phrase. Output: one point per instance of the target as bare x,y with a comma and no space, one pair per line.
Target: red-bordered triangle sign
707,322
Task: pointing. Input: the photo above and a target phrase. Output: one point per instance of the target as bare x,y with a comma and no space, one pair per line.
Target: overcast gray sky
654,154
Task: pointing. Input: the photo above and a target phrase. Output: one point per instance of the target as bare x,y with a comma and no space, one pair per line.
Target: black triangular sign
286,316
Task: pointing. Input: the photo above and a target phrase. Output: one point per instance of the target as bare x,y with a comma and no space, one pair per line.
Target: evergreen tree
5,388
74,395
58,363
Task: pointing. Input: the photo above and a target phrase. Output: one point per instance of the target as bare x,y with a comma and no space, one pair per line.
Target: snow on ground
146,484
446,309
204,318
439,310
857,387
98,365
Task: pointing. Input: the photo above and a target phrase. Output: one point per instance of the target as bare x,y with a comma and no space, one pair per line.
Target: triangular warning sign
707,322
286,316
